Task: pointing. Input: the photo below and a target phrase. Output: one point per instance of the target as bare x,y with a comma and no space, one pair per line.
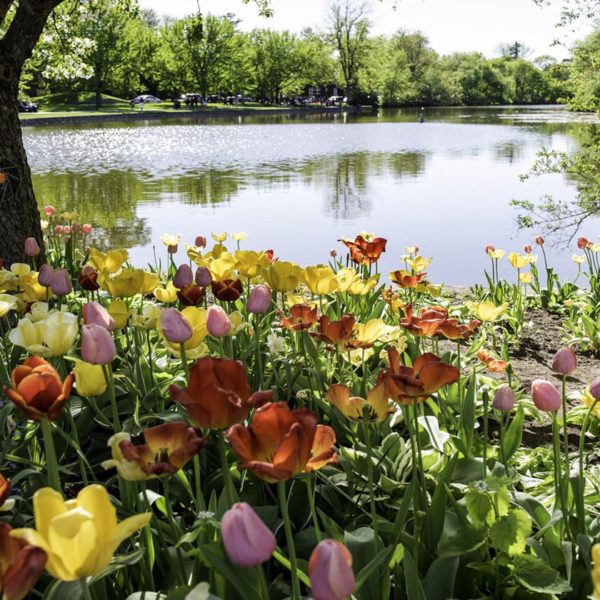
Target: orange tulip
4,489
427,323
21,564
408,385
407,280
37,389
454,330
302,316
363,251
279,443
227,290
338,333
493,364
218,394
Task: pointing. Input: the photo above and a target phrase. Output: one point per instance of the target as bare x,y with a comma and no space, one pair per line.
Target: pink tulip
545,396
539,240
60,282
66,230
504,399
45,275
58,229
203,277
200,241
595,388
528,249
49,210
247,540
330,571
97,345
32,248
217,322
174,326
183,277
86,228
93,312
259,299
564,361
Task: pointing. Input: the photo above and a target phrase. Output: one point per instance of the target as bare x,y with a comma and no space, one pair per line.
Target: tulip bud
45,275
172,248
539,240
203,277
527,249
66,230
595,389
247,540
333,253
60,282
330,571
489,248
58,229
200,241
545,396
504,399
76,228
97,345
184,276
49,210
32,248
174,326
86,228
582,243
217,322
259,299
97,314
564,361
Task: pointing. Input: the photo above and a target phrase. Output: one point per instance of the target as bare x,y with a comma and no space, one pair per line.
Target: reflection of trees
509,152
582,169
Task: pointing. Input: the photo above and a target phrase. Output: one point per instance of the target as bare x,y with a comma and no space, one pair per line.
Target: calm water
297,184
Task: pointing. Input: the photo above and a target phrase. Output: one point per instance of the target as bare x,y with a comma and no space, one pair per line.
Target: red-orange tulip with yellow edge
364,252
302,316
37,389
337,333
408,385
494,365
453,330
406,279
218,394
427,324
353,407
280,443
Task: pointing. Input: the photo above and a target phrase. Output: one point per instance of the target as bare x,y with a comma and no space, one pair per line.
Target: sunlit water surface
297,184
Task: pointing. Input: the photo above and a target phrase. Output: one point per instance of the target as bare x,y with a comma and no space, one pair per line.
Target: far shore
49,118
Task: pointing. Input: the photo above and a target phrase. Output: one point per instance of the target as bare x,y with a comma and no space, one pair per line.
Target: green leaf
414,587
461,540
439,581
511,440
479,505
509,533
538,576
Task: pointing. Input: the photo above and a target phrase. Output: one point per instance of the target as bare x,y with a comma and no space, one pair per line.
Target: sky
451,25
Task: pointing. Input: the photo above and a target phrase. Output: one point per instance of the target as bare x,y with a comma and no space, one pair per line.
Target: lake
298,183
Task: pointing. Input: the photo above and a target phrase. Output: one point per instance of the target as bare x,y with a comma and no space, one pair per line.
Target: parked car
215,98
146,98
27,107
336,100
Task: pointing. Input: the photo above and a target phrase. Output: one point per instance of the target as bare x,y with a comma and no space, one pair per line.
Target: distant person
422,115
142,103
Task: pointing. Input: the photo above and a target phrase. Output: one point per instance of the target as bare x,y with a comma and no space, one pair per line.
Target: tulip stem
184,361
313,511
370,477
289,538
174,532
51,463
75,435
110,382
85,589
565,426
228,484
580,475
557,471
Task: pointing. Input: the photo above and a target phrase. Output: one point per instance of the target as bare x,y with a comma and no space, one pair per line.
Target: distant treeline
113,47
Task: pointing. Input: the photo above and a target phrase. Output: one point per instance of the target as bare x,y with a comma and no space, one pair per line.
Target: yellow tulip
578,259
222,268
293,299
30,336
149,317
518,261
79,536
361,287
168,239
346,277
20,269
219,237
238,236
127,283
237,323
418,263
487,311
282,276
375,330
497,254
129,470
250,263
166,295
69,215
39,311
352,407
321,279
60,332
7,281
595,247
525,278
596,571
151,282
7,303
411,249
110,262
119,311
194,347
32,290
89,379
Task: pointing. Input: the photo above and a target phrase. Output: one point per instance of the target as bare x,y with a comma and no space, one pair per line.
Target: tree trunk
19,215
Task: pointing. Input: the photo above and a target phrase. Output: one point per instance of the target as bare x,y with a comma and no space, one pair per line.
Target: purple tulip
545,396
200,241
183,277
97,345
330,570
45,275
564,361
504,399
259,299
32,248
93,312
217,322
60,282
174,326
247,540
203,277
595,389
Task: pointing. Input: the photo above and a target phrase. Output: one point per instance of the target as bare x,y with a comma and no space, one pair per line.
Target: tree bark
19,215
